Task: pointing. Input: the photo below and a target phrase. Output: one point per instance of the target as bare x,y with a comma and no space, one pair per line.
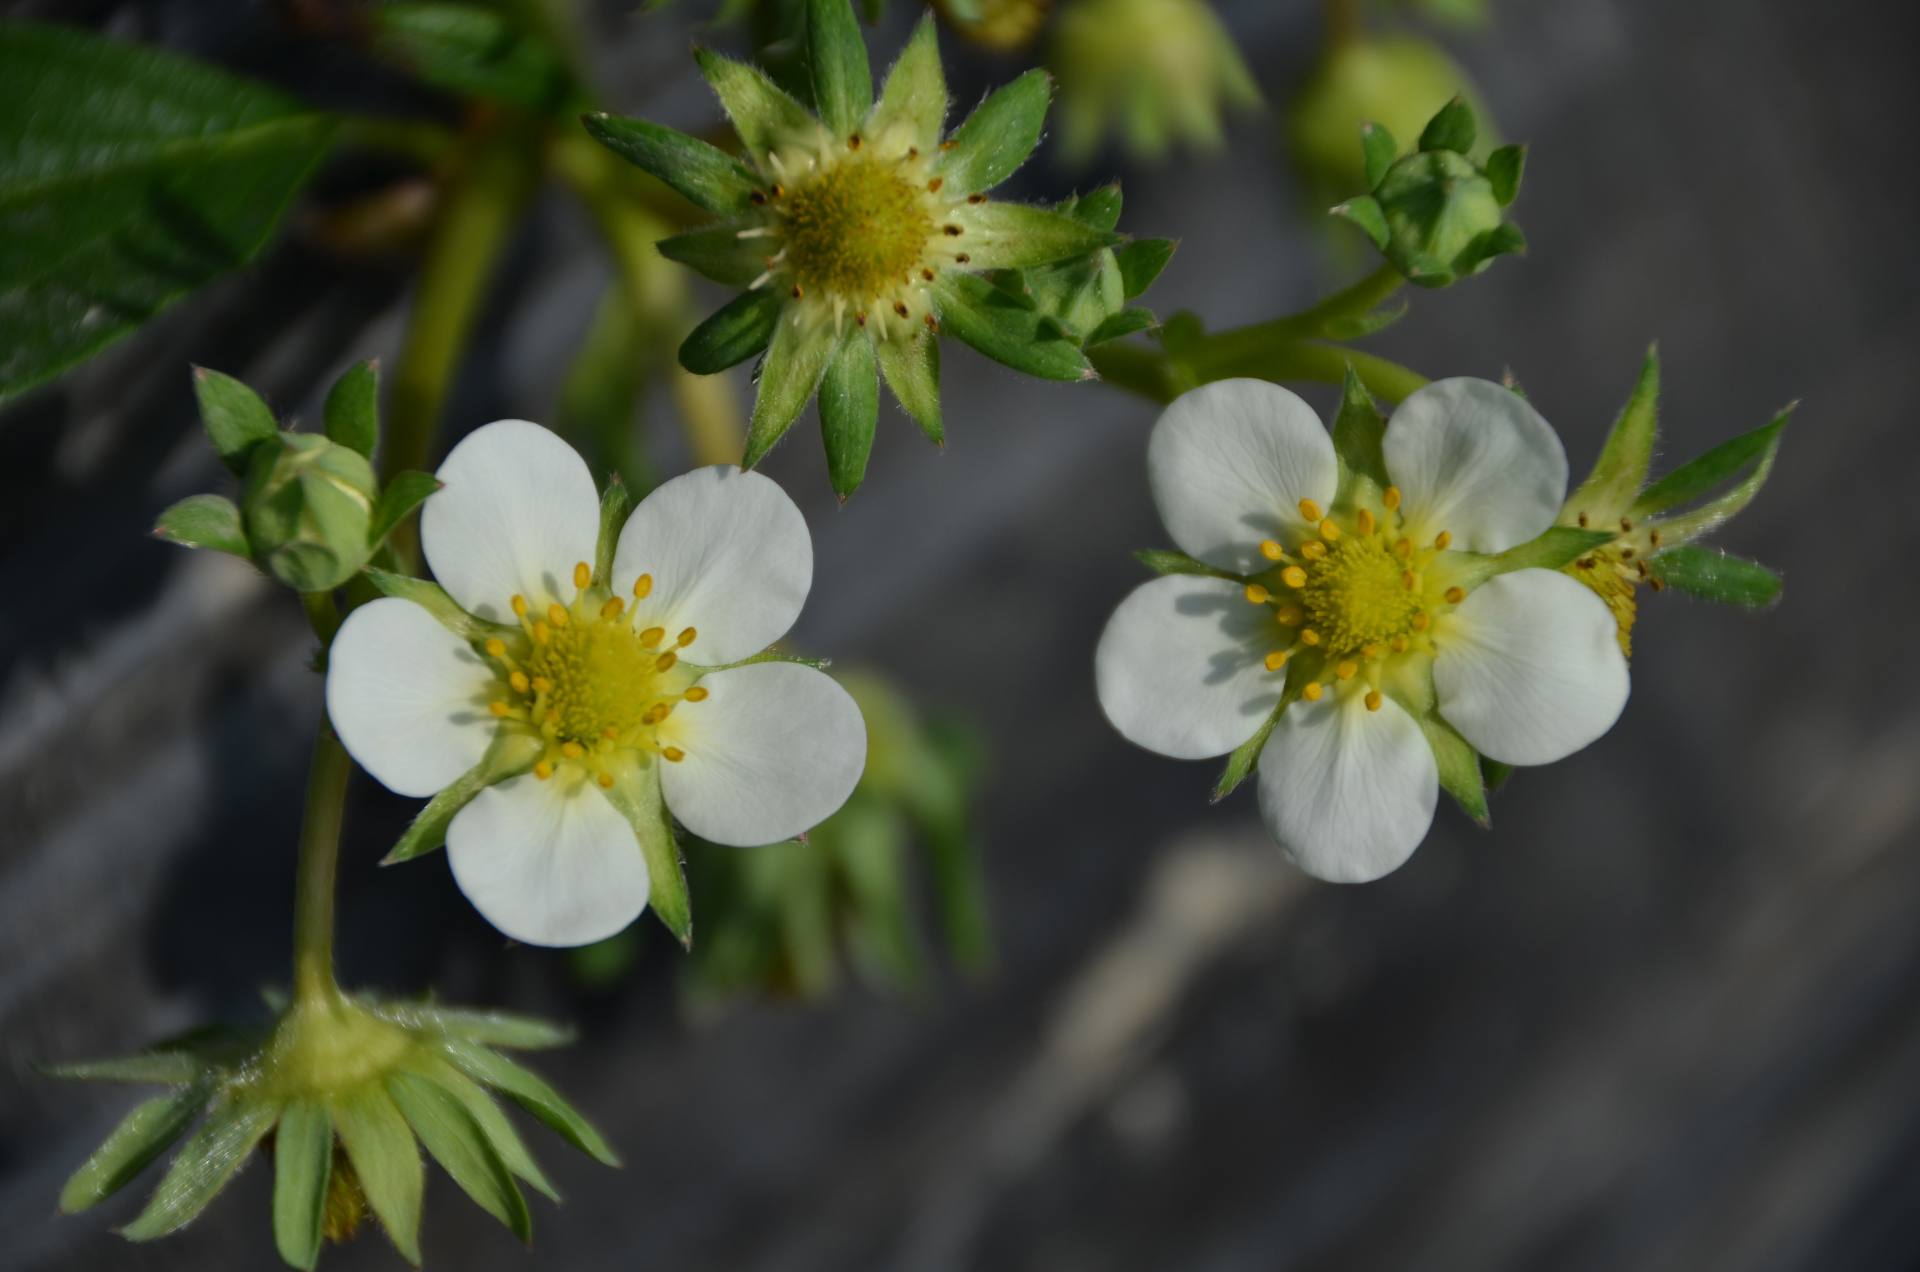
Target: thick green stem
313,884
1316,323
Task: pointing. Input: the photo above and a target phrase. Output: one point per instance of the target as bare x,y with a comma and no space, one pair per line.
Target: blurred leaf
1359,431
1717,576
203,1166
128,178
455,1140
472,51
353,408
1241,759
168,1066
1098,208
762,113
433,598
1378,150
1452,128
1494,773
1505,167
1118,326
868,840
142,1136
635,795
1019,235
302,1165
532,1093
718,252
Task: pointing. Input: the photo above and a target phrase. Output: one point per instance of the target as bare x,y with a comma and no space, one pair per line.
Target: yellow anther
1291,615
610,734
1310,510
1370,651
686,637
606,779
697,694
665,661
1294,577
543,770
673,755
1259,595
1422,621
1328,530
1409,580
1403,549
1309,637
519,605
542,633
1442,539
542,685
643,585
1399,644
1313,550
573,750
582,574
499,709
1390,496
496,648
1346,669
1271,550
1455,595
613,607
1313,691
519,682
1276,660
652,636
557,615
553,715
1364,519
1374,700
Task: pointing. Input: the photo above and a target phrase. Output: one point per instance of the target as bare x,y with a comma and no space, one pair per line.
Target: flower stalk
319,860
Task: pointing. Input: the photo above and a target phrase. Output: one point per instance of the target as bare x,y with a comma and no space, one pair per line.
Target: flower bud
308,509
1396,82
1157,72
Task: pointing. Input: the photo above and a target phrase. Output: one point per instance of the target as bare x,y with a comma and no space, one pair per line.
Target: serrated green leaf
167,1066
705,175
733,333
508,755
142,1136
978,314
718,252
795,361
762,113
1504,169
1141,262
849,410
1717,576
204,521
532,1093
912,370
407,491
635,795
1622,467
997,138
1549,550
1167,561
433,598
353,408
488,1116
302,1166
129,177
915,94
472,51
1692,480
1459,767
235,417
1118,326
837,61
616,502
455,1140
203,1166
1364,212
488,1028
1019,236
1242,758
1359,431
1451,128
1378,150
1098,209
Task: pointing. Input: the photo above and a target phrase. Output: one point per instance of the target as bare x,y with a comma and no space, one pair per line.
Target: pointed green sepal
915,94
489,1118
1504,168
849,409
1452,128
1117,326
142,1136
353,408
635,795
203,1166
705,175
997,138
1378,150
978,314
762,113
1553,548
169,1066
718,252
1168,561
235,417
912,371
407,491
454,1139
487,1028
1725,461
1099,208
1365,213
1242,758
532,1093
509,755
1359,431
616,501
733,333
1020,236
1717,576
386,1161
837,62
1621,470
302,1167
1459,767
433,598
204,521
795,361
1504,239
1141,262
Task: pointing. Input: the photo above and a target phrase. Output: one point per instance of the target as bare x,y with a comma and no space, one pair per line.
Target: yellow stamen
673,755
1399,644
652,636
1257,594
687,636
1455,595
1313,550
1294,577
1291,615
1310,510
519,682
665,661
1374,700
1276,660
573,750
1329,531
605,780
643,585
582,574
1346,669
1365,521
543,770
1309,637
1390,496
1421,621
697,694
1313,691
542,633
1441,540
1409,580
557,614
519,605
1271,550
496,648
1403,549
542,685
499,709
613,607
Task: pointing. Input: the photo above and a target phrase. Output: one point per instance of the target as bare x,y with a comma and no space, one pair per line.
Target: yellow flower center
1356,594
855,229
591,684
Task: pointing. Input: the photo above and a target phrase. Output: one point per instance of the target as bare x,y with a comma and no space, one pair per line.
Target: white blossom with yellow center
1365,617
595,689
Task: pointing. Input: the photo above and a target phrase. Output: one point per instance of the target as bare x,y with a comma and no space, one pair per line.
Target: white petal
519,511
407,697
1529,668
1348,792
775,749
1471,457
1229,464
1180,668
548,863
729,555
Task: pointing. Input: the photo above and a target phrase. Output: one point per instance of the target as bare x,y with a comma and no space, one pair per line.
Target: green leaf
615,504
407,491
493,1123
169,1067
763,114
707,176
1167,561
636,797
353,408
204,521
718,252
1622,467
507,756
1365,213
235,417
973,310
912,369
142,1136
1378,150
997,138
1717,576
837,59
733,333
1450,129
532,1093
203,1166
849,409
1459,766
1692,480
1504,169
488,1028
1141,262
472,51
455,1140
1549,550
1098,209
915,94
1241,760
386,1161
1359,430
1117,326
129,177
1019,236
433,598
795,361
302,1165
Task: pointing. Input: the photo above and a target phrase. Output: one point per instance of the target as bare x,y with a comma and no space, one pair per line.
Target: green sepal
1378,150
837,62
169,1066
509,755
1359,432
235,417
1141,262
1504,239
915,93
765,655
1718,576
975,312
1365,212
912,370
1551,549
407,491
795,361
204,521
302,1166
1494,773
616,502
1459,768
455,1140
1504,168
1628,451
1117,326
1097,209
718,252
1167,561
1242,758
1452,128
386,1161
487,1028
353,408
203,1166
762,112
705,175
849,410
636,796
433,598
1021,236
733,333
489,1118
142,1136
532,1093
997,138
1691,480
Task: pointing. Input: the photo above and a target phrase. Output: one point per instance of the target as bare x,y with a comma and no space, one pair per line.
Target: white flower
1376,616
561,722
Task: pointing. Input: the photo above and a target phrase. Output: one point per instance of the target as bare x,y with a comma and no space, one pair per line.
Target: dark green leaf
353,408
705,175
1019,236
129,177
979,315
455,1140
763,114
1358,432
1717,576
837,59
302,1165
636,796
999,135
202,1167
472,51
204,521
1725,461
235,417
1365,213
1167,561
1622,467
386,1161
1505,167
142,1136
718,252
532,1093
1378,150
1452,128
1459,766
733,333
912,370
403,494
1116,326
915,93
795,361
849,409
1141,262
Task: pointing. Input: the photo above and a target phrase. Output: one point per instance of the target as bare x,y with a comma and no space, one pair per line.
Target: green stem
314,881
1315,323
1305,360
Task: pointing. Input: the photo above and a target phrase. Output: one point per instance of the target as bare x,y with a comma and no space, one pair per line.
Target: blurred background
1665,1015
